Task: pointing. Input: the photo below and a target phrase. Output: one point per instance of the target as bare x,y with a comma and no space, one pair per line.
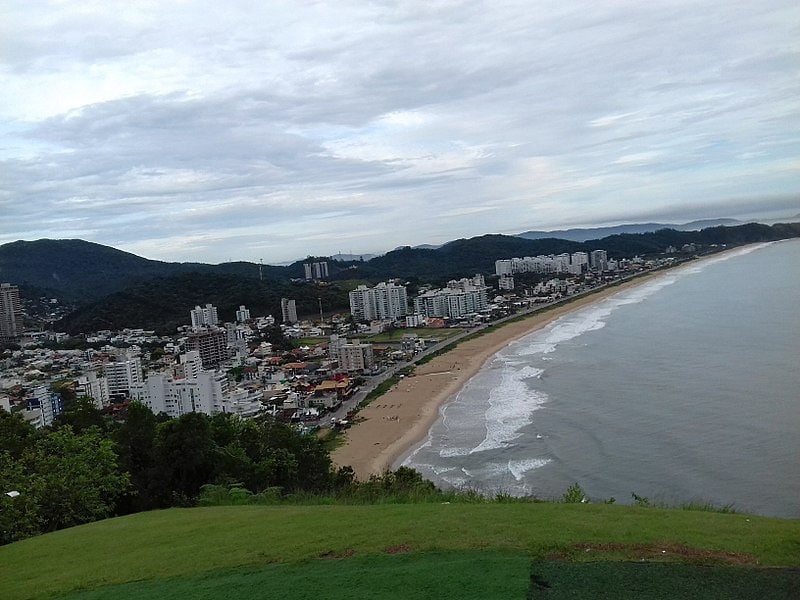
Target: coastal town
315,371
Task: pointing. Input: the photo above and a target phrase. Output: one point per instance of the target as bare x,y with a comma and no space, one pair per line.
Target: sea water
685,388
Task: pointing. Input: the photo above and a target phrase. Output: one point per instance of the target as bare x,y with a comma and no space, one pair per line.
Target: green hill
76,269
117,289
390,550
81,271
164,303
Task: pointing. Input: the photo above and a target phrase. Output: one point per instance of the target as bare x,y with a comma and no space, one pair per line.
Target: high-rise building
579,263
242,315
385,301
506,282
122,375
95,387
11,325
288,310
457,300
50,404
316,270
351,355
211,345
204,316
207,392
598,260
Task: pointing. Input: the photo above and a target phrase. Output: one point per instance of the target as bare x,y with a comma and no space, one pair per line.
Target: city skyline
206,132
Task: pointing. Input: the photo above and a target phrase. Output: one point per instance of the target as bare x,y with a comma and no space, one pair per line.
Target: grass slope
557,580
180,543
472,575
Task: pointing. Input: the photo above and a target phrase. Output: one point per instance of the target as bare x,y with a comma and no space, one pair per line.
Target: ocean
685,388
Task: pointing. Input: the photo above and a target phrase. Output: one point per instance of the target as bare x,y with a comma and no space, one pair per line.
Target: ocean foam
518,468
450,452
511,405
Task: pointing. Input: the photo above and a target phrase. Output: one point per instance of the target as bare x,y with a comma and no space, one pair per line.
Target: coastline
394,424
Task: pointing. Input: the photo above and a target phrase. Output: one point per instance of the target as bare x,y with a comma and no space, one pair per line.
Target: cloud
210,131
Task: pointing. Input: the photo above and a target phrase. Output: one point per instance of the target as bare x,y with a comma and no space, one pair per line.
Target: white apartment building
503,267
236,336
41,398
123,374
506,282
316,270
204,316
208,393
351,355
457,300
575,263
243,314
385,301
415,320
579,263
598,260
95,387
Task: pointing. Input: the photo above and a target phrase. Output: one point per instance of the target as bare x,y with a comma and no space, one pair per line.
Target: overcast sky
244,130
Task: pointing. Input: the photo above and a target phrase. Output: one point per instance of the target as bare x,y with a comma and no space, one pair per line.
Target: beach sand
397,421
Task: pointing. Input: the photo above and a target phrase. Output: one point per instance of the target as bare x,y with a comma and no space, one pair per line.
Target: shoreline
394,424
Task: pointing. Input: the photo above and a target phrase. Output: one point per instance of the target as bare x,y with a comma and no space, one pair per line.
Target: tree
63,479
184,458
81,414
135,440
75,477
19,516
15,434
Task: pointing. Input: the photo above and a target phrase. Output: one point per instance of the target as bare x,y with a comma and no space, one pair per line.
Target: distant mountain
582,235
706,223
464,257
86,273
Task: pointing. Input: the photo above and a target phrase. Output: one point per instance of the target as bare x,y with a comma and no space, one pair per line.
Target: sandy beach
398,420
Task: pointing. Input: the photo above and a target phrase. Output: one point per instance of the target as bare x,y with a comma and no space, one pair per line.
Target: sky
216,131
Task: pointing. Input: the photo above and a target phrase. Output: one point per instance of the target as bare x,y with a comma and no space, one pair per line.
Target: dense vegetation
88,467
163,304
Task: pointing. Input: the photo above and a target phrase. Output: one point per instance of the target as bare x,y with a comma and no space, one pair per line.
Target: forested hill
478,254
163,304
458,258
84,272
75,268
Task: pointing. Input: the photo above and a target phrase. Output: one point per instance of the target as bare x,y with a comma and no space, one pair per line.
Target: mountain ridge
101,278
590,233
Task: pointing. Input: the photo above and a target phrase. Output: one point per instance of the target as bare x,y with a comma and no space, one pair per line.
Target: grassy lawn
655,581
470,575
308,341
180,543
396,335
